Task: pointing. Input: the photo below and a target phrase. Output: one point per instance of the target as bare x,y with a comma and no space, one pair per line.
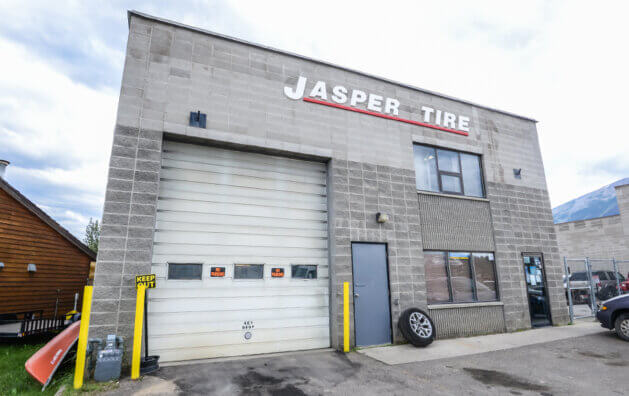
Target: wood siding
24,239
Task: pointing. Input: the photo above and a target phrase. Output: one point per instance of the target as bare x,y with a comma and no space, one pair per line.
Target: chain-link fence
590,281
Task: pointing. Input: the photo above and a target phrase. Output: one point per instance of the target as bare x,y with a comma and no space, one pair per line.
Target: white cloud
563,63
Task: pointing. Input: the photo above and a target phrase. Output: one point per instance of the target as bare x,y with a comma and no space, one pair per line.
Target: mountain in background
598,203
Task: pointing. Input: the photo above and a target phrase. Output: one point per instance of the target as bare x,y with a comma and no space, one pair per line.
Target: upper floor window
448,171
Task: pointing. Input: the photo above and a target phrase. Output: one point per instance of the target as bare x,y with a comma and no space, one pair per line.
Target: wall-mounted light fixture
382,217
1,265
517,173
31,267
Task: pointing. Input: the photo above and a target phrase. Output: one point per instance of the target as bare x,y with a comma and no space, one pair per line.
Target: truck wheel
417,327
622,326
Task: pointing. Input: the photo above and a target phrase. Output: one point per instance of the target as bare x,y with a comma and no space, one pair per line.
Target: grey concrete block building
603,237
254,183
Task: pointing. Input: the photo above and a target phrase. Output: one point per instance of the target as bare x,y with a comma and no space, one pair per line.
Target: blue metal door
372,318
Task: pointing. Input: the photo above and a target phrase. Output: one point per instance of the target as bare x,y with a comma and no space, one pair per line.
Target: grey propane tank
109,359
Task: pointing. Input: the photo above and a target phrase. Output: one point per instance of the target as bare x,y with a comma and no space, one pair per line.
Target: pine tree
92,233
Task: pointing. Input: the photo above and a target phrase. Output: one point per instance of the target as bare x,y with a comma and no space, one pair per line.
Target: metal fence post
588,268
616,275
568,290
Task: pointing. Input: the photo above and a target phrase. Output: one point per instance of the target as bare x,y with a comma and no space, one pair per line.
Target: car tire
417,327
622,326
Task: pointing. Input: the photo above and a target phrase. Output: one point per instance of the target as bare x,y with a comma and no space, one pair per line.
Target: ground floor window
460,277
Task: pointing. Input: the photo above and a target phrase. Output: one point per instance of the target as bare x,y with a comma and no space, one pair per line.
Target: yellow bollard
346,317
79,371
137,332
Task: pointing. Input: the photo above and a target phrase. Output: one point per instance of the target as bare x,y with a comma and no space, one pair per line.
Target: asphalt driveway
594,364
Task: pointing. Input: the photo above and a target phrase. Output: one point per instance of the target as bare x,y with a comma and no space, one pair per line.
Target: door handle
356,295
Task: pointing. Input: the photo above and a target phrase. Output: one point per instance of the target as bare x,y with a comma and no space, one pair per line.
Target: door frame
528,301
386,260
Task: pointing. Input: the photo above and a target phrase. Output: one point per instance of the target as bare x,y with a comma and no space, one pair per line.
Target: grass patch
14,380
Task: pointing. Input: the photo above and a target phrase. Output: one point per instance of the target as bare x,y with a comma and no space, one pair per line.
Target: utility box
109,359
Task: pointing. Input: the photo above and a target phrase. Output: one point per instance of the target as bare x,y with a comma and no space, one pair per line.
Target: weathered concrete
399,354
594,364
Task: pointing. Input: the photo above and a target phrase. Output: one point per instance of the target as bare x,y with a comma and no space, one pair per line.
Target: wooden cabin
43,264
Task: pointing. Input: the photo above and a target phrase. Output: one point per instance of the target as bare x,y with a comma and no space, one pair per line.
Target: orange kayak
43,364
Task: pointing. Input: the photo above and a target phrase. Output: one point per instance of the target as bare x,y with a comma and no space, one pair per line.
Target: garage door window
304,271
248,271
177,271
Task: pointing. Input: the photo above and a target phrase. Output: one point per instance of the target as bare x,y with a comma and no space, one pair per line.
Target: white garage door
251,215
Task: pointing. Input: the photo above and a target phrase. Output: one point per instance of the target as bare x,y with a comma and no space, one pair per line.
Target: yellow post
137,332
346,317
79,371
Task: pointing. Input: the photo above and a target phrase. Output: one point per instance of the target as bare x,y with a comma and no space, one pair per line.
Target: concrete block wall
523,223
358,191
599,238
126,239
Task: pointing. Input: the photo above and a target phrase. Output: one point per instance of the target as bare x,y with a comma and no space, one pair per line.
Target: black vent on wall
197,119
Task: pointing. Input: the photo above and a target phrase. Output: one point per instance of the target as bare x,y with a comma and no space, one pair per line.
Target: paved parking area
593,364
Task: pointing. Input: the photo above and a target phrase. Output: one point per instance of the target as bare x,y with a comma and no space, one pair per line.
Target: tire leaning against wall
417,327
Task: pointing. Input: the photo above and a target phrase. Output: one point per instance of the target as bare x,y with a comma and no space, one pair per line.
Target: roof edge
18,196
321,62
591,218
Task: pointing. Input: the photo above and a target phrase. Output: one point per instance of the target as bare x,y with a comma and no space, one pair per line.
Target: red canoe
43,364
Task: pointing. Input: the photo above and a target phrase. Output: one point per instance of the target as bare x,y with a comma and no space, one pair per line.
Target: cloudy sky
563,63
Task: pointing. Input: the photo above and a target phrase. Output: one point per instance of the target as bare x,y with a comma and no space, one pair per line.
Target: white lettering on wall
319,90
449,120
358,96
391,106
374,103
298,92
339,94
427,112
464,123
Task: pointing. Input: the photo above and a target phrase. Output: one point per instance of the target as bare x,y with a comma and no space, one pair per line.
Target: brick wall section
126,240
523,223
450,223
359,191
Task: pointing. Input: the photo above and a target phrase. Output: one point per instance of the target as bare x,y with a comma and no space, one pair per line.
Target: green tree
92,233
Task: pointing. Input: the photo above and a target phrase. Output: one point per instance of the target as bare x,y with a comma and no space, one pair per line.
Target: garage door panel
240,210
187,152
254,251
238,303
241,181
253,291
282,200
192,353
216,191
156,319
162,259
177,328
219,207
185,228
212,218
236,337
161,271
199,238
278,173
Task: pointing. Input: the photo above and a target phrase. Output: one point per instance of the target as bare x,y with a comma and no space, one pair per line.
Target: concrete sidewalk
441,349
